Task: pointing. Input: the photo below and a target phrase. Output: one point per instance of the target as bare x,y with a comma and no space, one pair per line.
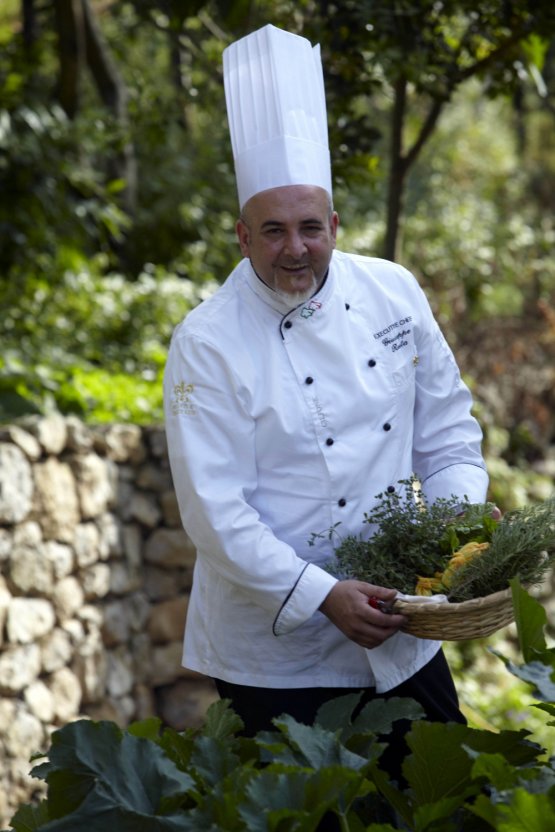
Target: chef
310,382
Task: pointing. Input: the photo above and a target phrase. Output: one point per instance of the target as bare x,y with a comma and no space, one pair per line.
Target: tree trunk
113,93
29,18
397,172
71,47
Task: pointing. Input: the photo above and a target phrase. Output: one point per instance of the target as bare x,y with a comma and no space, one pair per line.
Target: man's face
289,235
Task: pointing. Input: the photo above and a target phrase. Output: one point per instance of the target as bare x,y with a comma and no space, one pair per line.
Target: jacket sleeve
211,446
447,438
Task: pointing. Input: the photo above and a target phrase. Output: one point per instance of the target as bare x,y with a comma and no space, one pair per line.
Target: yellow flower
427,586
460,558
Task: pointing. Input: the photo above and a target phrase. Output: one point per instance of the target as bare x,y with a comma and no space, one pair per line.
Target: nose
295,245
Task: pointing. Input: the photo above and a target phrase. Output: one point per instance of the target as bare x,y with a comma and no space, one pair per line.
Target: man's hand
347,606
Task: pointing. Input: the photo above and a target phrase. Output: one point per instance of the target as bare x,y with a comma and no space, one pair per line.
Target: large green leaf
440,765
318,747
29,818
103,778
221,721
213,760
537,673
380,714
274,796
530,619
438,815
526,813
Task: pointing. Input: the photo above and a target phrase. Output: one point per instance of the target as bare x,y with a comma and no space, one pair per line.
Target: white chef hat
276,109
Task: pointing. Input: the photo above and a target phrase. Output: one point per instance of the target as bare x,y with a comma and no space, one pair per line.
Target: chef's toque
276,109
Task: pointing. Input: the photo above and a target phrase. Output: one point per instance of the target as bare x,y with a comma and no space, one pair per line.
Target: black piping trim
290,593
453,464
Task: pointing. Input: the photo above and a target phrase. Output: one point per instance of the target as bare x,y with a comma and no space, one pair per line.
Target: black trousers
432,687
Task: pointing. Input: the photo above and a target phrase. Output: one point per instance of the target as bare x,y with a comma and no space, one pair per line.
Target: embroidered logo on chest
394,336
310,308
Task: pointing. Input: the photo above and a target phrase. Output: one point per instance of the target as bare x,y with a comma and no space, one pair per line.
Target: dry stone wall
95,573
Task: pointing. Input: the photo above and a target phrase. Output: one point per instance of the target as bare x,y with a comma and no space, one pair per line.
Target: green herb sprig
411,538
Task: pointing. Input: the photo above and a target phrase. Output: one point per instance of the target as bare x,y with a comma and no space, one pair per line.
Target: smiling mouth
298,268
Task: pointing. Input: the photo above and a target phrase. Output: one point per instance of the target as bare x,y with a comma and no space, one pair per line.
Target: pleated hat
276,108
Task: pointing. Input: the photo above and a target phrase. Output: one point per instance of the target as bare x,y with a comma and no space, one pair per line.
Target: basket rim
403,607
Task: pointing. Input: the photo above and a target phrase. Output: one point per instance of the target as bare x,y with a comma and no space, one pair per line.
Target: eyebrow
307,221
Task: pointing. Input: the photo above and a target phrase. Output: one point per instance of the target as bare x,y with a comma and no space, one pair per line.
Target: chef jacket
283,424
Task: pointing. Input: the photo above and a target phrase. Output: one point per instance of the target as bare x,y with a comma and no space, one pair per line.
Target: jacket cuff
459,480
312,586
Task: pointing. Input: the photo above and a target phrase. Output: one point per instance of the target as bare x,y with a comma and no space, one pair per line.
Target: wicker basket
477,618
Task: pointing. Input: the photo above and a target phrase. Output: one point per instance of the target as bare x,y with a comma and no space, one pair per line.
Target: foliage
450,546
92,345
457,777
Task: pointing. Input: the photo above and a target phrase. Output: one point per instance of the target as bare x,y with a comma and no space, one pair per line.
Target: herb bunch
411,539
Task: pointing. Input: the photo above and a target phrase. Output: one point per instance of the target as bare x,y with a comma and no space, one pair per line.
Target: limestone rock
96,581
23,439
86,544
16,484
30,570
184,704
116,626
145,510
19,667
166,663
92,671
60,556
26,734
5,599
56,650
6,544
111,536
68,597
167,620
123,443
79,437
94,485
58,506
120,678
66,694
40,701
170,509
28,619
51,432
170,547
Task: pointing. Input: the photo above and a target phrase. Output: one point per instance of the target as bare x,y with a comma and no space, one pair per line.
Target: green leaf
335,714
148,729
103,778
221,721
318,747
548,707
538,674
28,817
305,796
496,770
440,812
440,766
535,49
526,813
380,714
531,619
213,760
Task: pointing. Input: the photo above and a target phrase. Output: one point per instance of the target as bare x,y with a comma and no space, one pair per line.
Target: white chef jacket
283,424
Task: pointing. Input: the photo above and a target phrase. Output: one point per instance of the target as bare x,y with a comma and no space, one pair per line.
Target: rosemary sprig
522,545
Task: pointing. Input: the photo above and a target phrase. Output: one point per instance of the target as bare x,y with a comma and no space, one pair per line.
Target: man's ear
334,223
243,235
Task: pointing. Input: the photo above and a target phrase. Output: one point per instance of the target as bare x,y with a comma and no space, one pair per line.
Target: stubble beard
295,298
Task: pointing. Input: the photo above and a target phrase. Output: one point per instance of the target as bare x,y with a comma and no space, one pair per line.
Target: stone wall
95,572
